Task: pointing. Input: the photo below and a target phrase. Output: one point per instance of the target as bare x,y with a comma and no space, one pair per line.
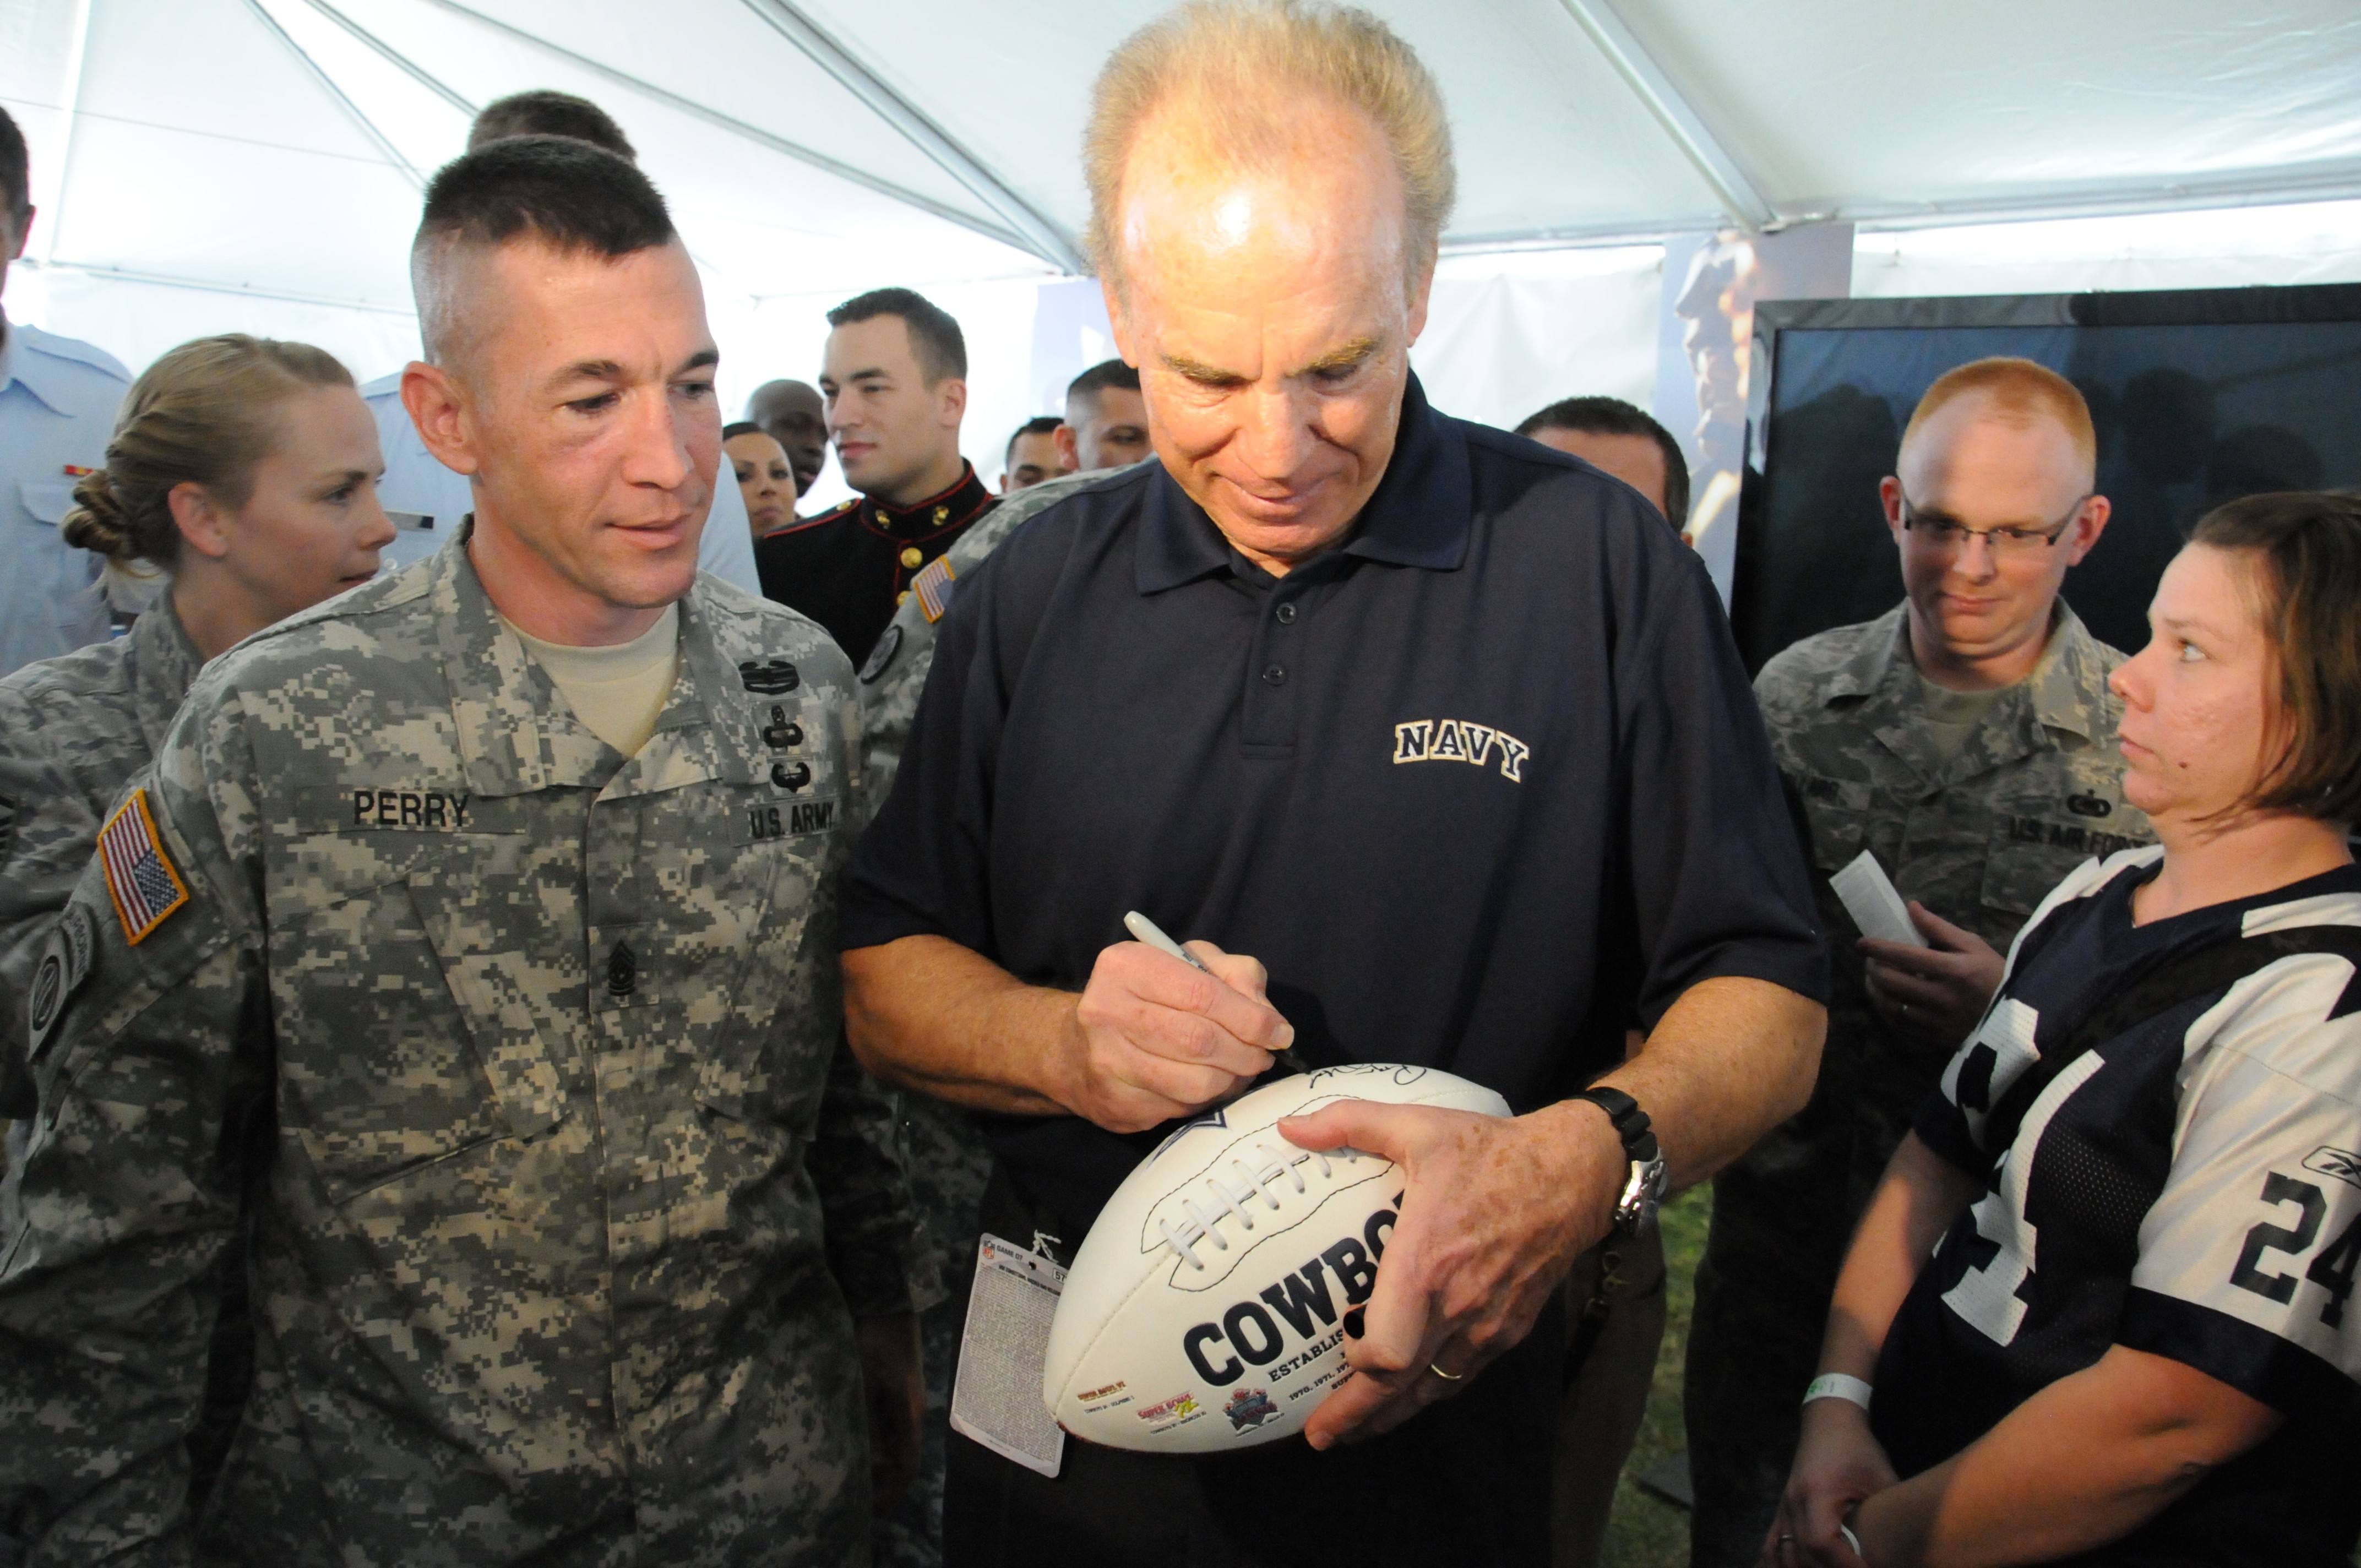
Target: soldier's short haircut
575,198
16,174
1106,373
2021,392
1039,424
1614,416
1241,71
2303,548
936,340
546,112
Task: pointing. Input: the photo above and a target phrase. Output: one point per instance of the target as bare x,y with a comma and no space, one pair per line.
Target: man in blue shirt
58,400
1444,728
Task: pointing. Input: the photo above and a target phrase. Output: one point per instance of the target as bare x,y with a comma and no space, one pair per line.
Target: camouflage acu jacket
519,1061
948,1160
72,731
2036,790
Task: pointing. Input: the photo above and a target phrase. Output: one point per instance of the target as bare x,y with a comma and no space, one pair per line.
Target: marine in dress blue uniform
58,401
427,500
851,567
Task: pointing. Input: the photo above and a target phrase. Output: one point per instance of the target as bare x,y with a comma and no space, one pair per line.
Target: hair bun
96,522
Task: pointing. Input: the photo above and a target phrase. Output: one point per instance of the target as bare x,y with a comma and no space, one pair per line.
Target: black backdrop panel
2199,396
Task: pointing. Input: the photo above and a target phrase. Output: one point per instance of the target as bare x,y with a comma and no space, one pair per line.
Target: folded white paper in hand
1869,897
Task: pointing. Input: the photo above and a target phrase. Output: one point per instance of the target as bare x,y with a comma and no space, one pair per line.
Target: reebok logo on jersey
1460,741
2342,1163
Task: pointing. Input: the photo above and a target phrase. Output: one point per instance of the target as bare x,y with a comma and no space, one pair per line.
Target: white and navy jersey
2180,1177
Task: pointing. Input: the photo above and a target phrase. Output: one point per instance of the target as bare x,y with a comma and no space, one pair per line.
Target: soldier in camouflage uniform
948,1160
520,1056
1977,804
74,730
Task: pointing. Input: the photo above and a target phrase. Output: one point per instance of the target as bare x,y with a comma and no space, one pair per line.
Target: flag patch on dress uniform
933,588
139,876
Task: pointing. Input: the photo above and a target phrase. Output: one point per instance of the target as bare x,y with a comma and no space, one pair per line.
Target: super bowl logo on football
1231,1259
1249,1408
1178,1410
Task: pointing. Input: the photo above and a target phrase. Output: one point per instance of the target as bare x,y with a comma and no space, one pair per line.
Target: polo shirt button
1274,676
1286,614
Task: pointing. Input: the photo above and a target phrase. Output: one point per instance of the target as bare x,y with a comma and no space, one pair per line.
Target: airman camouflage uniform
72,731
2035,790
948,1160
523,1059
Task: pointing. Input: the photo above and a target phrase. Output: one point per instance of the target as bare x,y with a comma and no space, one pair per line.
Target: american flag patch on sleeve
139,876
933,588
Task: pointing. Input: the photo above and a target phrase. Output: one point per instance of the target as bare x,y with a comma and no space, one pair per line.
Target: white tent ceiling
276,145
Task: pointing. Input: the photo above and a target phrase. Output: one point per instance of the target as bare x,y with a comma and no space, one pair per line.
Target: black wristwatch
1643,1187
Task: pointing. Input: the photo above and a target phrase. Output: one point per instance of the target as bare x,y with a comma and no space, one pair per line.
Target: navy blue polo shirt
1472,786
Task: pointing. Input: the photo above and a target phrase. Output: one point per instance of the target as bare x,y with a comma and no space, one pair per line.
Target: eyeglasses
1945,534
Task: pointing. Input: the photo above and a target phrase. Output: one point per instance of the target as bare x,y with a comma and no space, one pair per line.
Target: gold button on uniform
910,557
900,598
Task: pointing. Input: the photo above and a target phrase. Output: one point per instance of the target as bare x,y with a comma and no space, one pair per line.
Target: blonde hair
205,413
2021,392
1244,68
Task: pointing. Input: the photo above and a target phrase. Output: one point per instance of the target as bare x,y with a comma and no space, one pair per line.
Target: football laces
1267,1166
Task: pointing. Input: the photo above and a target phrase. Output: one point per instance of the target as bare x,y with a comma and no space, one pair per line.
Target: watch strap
1630,1122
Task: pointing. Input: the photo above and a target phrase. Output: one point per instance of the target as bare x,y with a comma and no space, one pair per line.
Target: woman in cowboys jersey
2103,1296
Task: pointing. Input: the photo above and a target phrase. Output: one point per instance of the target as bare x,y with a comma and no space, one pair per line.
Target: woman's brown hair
2305,549
205,413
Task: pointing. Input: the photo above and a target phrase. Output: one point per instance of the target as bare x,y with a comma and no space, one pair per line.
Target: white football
1206,1309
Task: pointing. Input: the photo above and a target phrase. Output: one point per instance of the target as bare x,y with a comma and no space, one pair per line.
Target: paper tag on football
997,1399
1869,897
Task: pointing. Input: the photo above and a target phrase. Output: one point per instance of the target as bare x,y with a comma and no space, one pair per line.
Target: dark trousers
1465,1483
1783,1220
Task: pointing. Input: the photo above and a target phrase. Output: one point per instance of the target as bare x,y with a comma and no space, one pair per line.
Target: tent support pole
168,281
395,57
55,207
755,133
328,84
1043,236
1680,119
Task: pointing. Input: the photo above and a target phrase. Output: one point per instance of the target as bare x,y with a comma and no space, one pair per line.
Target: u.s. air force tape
65,964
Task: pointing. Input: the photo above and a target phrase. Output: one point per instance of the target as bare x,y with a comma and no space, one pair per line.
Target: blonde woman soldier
246,469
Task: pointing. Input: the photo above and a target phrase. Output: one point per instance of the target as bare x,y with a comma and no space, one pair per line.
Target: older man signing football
1443,728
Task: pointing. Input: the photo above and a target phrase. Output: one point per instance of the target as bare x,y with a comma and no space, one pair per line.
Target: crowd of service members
521,986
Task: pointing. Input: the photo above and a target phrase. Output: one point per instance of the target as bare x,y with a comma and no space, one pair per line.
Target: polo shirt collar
1419,515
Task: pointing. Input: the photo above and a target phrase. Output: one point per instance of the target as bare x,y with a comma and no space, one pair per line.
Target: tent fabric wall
207,165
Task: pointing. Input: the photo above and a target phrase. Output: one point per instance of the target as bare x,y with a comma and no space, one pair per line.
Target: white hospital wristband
1837,1385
